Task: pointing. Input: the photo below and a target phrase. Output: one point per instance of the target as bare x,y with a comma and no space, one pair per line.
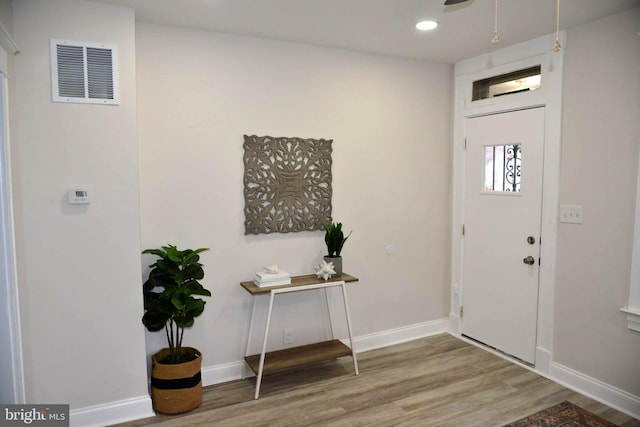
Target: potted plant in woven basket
334,239
171,302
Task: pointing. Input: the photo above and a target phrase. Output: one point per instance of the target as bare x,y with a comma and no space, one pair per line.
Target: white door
502,217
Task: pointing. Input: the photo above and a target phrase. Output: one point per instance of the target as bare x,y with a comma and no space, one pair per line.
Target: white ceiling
380,26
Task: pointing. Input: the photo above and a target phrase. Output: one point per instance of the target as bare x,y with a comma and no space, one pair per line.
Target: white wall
199,92
599,166
79,267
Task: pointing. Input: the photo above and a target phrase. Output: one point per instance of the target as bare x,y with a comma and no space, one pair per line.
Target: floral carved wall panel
287,184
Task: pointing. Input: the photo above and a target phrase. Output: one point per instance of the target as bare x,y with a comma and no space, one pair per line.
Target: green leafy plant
334,238
169,291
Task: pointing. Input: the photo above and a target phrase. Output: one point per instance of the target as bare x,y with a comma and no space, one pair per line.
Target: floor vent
84,72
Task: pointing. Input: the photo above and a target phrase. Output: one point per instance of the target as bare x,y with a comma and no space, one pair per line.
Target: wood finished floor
435,381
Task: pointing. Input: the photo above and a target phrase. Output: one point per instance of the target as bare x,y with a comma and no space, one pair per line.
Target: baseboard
112,413
223,373
400,335
596,389
543,360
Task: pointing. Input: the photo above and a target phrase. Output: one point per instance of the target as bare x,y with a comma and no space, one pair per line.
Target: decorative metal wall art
287,184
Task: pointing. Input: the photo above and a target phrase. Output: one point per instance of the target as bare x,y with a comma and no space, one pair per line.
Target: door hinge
461,311
463,229
465,144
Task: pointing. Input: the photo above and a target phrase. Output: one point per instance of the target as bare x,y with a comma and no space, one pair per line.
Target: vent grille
84,72
100,73
70,71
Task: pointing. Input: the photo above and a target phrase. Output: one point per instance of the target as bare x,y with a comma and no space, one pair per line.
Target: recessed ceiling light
426,25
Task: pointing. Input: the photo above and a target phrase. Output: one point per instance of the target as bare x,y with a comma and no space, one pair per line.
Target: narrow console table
268,362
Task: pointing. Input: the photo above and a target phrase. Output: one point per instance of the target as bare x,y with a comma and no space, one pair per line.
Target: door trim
8,277
534,52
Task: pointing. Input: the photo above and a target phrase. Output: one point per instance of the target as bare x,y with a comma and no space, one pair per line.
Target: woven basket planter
176,388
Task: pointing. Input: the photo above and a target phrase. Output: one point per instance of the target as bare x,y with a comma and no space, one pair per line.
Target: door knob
529,260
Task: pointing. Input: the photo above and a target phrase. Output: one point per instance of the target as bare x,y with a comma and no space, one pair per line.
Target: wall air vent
84,72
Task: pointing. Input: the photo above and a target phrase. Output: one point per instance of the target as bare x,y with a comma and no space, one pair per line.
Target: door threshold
497,350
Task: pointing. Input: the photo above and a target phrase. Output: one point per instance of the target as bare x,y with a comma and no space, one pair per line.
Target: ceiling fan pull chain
495,39
556,46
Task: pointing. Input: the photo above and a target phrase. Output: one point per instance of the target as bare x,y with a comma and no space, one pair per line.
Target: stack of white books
265,279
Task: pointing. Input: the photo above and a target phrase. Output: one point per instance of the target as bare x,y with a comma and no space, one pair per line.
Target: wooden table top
306,279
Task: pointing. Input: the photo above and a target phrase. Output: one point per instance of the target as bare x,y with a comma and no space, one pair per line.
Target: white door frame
8,267
520,56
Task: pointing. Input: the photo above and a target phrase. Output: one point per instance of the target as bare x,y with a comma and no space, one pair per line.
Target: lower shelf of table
290,358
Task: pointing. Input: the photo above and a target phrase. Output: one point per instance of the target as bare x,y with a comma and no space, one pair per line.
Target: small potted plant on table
334,239
170,304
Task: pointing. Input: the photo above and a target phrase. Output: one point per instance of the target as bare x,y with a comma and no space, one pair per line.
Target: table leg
326,299
264,346
346,311
246,353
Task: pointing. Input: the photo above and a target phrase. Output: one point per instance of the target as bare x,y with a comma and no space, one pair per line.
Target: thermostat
78,196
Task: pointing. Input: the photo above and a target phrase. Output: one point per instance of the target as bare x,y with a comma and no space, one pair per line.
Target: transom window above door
507,84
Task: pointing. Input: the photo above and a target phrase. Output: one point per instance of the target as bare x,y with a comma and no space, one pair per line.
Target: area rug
565,414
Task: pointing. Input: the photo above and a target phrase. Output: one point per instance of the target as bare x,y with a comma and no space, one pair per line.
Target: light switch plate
571,214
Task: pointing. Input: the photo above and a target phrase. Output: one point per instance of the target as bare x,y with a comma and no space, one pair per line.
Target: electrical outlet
288,336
